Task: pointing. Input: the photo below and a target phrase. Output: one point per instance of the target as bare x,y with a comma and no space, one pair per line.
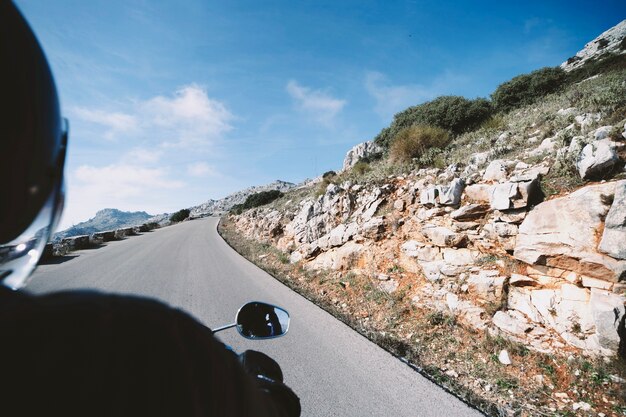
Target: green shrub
453,113
179,216
329,174
416,141
361,167
605,64
255,200
527,88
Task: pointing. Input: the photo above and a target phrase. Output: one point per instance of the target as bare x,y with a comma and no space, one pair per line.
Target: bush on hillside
417,141
453,113
179,216
608,63
256,200
361,167
525,89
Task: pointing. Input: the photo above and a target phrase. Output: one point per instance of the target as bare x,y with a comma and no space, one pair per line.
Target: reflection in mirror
258,320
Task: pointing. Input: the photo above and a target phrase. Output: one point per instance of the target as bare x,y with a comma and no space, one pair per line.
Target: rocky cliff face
482,243
611,41
219,207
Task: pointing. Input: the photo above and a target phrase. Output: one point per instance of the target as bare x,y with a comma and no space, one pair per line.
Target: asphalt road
334,370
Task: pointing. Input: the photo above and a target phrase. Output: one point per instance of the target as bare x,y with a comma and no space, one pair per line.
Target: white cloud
142,156
115,122
201,169
122,185
391,99
319,105
123,180
190,116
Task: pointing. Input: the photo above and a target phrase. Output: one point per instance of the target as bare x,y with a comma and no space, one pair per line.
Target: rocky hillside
611,41
515,230
222,206
106,219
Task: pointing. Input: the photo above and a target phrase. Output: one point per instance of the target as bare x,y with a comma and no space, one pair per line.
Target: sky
172,103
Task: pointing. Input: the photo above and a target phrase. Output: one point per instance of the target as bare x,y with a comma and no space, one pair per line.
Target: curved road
334,370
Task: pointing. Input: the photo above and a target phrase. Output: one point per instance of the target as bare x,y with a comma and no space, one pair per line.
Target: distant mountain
219,207
106,219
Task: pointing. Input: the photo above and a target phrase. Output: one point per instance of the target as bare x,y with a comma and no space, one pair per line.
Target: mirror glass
258,320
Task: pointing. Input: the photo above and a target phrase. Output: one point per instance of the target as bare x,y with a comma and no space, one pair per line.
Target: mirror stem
219,329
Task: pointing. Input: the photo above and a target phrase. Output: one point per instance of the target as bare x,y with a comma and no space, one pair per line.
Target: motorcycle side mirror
257,320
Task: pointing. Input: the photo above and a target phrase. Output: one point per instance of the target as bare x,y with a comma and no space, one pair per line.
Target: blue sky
175,102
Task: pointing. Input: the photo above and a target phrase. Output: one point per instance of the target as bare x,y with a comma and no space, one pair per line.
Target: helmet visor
19,257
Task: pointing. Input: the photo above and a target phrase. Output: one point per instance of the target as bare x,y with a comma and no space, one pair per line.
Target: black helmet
33,140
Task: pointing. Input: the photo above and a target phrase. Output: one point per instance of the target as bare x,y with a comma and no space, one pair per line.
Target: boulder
597,159
432,270
529,173
602,132
451,195
515,216
562,233
373,228
419,251
360,151
517,326
515,195
502,195
442,236
443,195
613,241
486,284
479,193
342,257
519,299
496,171
470,212
428,197
459,257
608,314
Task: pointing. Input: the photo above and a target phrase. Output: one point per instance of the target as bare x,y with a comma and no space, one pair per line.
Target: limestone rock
389,286
597,159
520,299
608,314
562,233
420,251
436,195
502,195
360,151
451,195
613,241
515,216
515,195
486,284
602,132
470,212
342,257
479,193
608,41
432,270
496,171
442,236
459,257
510,324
